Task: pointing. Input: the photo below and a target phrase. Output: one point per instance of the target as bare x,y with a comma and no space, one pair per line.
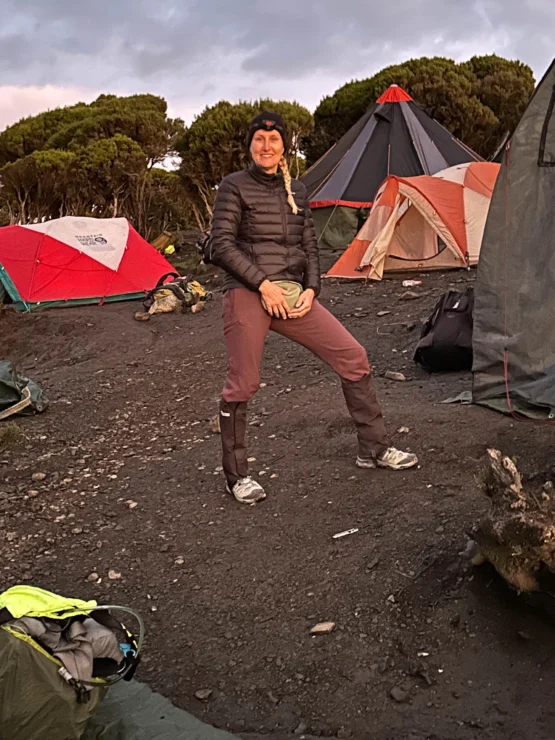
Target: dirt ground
425,645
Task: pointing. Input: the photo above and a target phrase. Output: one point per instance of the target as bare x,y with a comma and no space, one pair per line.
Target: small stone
203,694
390,375
93,578
524,636
131,504
32,494
77,530
470,549
114,575
323,628
301,729
179,561
410,295
403,430
38,476
398,694
440,529
383,313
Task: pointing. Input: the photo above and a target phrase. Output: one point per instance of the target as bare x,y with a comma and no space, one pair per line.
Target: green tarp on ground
131,711
14,388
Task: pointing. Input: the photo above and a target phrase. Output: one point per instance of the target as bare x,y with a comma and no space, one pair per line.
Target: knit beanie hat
267,121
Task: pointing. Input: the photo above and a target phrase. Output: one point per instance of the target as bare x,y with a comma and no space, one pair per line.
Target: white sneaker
392,458
247,491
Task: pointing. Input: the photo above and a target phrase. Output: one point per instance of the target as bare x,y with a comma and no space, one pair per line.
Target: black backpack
204,247
446,338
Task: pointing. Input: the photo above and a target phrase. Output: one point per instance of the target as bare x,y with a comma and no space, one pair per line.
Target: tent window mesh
547,141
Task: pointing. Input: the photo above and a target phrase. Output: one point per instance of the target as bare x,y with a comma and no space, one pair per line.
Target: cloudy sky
196,52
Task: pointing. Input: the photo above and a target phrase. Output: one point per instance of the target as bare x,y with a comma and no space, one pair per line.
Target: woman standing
263,237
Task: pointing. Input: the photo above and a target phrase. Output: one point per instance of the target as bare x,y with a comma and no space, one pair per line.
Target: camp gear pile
58,656
18,394
178,294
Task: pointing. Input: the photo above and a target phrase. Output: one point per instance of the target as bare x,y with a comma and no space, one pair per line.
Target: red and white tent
422,223
77,260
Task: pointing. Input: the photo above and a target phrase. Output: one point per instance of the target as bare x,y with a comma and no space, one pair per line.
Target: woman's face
267,150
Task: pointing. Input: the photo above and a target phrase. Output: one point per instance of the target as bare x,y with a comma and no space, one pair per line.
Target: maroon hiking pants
246,326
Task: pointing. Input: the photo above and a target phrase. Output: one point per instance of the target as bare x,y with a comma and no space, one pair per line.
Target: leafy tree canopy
98,159
215,144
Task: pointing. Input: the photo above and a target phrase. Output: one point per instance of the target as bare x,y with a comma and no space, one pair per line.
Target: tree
32,134
111,169
215,145
505,87
142,118
35,187
478,101
19,183
95,160
166,205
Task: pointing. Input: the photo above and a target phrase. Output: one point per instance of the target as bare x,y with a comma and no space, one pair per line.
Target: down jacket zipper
283,220
251,217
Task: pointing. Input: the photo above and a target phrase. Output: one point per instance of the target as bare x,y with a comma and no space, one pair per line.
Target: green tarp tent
514,331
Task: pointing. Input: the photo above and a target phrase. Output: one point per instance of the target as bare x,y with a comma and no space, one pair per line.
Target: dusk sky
196,52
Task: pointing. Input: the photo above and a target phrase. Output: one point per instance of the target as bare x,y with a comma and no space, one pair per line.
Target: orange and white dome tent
422,223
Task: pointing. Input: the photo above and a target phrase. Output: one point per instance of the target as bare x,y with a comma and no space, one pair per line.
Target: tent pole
327,222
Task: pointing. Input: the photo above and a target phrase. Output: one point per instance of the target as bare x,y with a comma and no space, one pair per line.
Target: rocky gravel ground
116,493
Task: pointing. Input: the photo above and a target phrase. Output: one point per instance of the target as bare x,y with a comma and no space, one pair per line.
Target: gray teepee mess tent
394,137
514,326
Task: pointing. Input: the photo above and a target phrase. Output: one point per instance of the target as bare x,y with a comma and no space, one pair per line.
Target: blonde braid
287,180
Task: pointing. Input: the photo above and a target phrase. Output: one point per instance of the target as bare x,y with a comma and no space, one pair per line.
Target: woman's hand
304,304
274,298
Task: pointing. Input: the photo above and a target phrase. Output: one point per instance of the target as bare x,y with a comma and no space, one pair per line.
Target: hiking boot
246,491
392,458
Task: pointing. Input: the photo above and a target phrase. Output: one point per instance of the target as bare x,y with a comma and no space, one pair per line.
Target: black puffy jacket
256,236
